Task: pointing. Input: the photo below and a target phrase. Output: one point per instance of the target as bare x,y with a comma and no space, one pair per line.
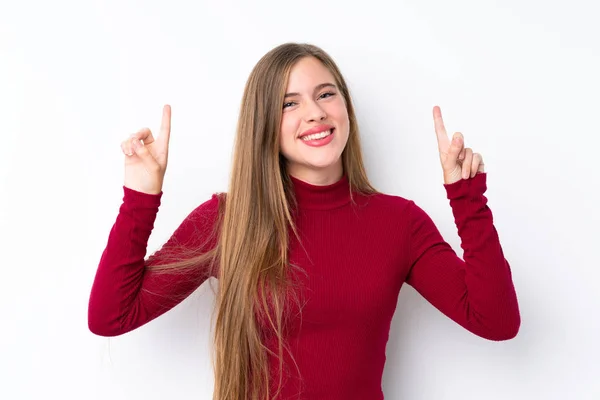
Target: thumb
455,148
147,159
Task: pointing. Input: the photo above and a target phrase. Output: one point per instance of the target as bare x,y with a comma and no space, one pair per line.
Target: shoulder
201,223
207,210
399,211
389,203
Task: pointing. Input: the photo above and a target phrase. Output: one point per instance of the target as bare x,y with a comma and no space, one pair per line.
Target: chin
324,166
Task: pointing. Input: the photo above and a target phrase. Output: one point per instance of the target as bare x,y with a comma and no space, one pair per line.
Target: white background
520,79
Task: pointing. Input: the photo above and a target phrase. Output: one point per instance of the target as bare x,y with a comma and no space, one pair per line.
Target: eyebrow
317,88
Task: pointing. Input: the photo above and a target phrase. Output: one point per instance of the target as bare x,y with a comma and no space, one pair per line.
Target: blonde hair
253,225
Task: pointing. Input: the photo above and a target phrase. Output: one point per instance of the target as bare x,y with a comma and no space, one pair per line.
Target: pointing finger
165,126
440,129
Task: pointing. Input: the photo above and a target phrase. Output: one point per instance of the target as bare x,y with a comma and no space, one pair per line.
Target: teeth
316,136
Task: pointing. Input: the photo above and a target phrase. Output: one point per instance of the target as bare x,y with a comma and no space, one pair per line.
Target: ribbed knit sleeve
477,292
125,294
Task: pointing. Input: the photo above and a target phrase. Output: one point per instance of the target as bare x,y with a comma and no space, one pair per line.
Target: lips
318,139
316,129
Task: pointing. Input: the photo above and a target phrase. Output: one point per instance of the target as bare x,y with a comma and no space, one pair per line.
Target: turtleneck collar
325,197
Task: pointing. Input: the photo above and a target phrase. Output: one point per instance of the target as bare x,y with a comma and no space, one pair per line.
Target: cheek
288,127
287,133
338,111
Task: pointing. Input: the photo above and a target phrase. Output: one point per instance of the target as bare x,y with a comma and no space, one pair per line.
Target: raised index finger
165,126
440,130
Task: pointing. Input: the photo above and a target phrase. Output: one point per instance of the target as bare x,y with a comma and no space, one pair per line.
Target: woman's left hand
457,161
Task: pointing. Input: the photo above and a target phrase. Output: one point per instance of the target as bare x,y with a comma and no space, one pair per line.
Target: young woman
309,257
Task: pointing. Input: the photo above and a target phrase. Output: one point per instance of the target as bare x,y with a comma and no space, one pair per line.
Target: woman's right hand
146,157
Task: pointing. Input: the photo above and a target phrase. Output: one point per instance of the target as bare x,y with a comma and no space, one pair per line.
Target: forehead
308,73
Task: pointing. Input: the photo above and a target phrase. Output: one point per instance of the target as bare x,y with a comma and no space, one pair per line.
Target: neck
318,177
321,197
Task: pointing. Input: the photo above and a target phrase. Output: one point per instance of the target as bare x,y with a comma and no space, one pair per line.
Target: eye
288,104
326,95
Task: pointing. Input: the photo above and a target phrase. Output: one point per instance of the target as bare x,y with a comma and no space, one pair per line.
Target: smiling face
314,124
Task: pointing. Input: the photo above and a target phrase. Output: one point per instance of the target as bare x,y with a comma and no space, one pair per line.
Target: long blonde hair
254,224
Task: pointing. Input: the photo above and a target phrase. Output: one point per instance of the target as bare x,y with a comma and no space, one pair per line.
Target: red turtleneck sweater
356,257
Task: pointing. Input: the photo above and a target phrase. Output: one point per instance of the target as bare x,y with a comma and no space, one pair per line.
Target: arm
125,294
477,293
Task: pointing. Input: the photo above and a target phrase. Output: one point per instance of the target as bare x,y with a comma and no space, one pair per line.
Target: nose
314,112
